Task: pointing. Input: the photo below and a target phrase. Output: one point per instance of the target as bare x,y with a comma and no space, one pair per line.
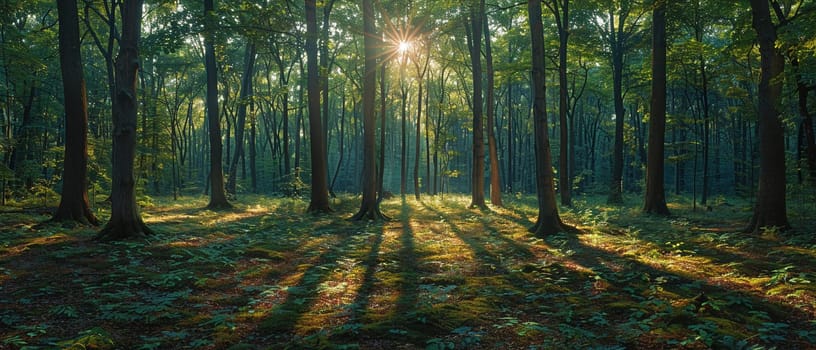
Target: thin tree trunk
561,12
246,95
808,140
383,95
490,103
340,139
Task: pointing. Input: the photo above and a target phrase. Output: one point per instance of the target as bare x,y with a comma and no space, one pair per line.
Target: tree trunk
807,140
383,95
218,196
246,95
74,205
655,201
320,187
475,41
340,138
548,222
403,127
125,221
561,12
369,206
616,184
495,178
770,210
418,135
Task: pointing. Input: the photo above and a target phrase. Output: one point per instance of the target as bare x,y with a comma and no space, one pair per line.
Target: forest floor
438,276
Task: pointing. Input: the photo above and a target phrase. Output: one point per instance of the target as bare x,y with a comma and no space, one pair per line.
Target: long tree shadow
666,301
648,306
281,323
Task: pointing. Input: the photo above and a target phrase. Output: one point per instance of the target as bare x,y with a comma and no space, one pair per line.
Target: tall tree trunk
616,184
548,222
253,171
324,75
706,125
475,45
340,138
320,187
369,206
418,135
403,137
125,221
246,95
74,205
560,9
218,196
807,140
490,103
383,95
655,201
771,208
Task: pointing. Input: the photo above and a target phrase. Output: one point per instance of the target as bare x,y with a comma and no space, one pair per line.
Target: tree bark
490,103
548,222
655,201
475,41
770,209
369,206
561,12
616,43
74,205
218,196
246,95
807,139
126,221
320,187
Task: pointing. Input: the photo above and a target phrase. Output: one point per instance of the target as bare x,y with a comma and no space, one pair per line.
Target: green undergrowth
438,276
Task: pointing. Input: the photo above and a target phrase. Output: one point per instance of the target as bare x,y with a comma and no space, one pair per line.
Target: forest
411,174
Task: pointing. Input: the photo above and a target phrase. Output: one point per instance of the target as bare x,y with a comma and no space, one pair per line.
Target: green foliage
293,186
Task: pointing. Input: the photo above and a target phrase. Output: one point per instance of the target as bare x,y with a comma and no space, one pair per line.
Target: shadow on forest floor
439,276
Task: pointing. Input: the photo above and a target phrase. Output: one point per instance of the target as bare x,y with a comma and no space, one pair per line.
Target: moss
280,320
265,253
728,327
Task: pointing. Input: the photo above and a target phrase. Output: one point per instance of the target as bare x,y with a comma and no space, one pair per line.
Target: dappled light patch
440,274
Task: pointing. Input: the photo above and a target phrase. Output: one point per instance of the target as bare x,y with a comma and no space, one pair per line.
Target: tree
125,221
495,178
560,9
474,44
655,201
320,186
618,31
246,96
218,195
770,209
74,204
548,222
369,206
